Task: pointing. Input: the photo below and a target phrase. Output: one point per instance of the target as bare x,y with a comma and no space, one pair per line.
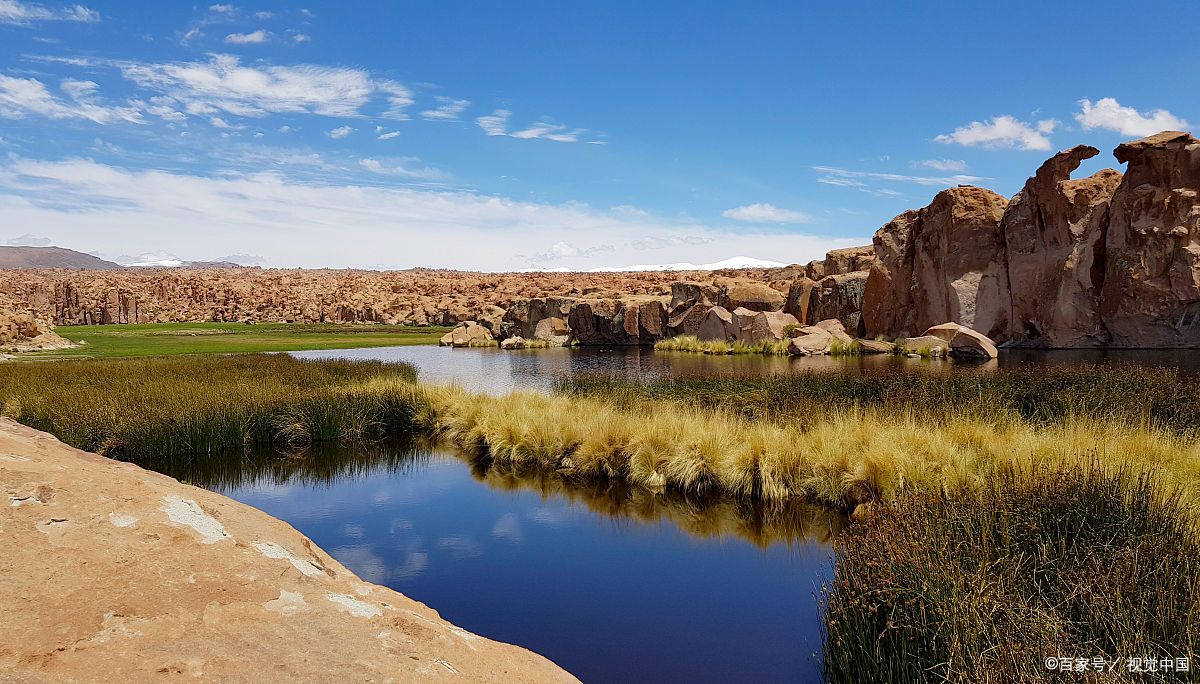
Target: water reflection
612,584
500,372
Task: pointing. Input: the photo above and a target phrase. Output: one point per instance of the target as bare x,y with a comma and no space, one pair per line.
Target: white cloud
845,177
389,135
495,123
22,96
942,164
340,132
264,15
766,213
1109,114
448,109
223,83
285,129
15,12
301,38
222,9
259,36
564,250
399,97
87,205
29,240
1003,132
629,210
399,169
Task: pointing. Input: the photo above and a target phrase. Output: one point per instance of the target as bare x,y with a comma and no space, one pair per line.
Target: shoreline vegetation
164,339
995,515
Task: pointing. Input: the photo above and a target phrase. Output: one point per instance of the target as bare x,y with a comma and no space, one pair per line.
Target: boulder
687,320
523,315
848,260
812,340
835,329
1151,292
1054,242
964,341
467,334
944,262
814,270
770,326
743,324
553,331
717,324
755,297
841,297
515,342
798,298
119,574
626,321
875,347
934,346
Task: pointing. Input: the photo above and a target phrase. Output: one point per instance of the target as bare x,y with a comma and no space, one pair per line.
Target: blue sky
518,135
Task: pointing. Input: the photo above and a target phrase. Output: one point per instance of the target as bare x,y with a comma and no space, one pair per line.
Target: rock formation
1054,234
114,573
944,262
1151,291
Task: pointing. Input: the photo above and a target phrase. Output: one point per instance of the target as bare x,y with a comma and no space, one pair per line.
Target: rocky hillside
52,257
124,575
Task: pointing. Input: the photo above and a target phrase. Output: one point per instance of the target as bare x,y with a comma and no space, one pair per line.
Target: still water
614,585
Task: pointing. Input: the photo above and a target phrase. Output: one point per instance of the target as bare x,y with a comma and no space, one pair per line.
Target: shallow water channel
612,584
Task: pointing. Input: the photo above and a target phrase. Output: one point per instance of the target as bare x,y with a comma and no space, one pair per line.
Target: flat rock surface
113,573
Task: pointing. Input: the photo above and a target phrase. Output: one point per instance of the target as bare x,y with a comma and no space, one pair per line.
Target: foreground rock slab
113,573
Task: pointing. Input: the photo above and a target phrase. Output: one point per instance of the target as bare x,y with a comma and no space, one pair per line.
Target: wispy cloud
19,13
942,164
835,175
340,132
400,169
1003,132
29,240
766,213
447,109
389,135
1110,115
20,97
301,38
259,36
496,124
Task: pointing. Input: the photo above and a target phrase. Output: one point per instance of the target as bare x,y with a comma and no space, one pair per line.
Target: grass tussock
199,404
985,584
844,456
1136,397
690,343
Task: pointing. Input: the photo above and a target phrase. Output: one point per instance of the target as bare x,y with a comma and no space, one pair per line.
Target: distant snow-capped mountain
733,262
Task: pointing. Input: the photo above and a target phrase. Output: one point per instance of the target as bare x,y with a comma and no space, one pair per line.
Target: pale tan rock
811,341
516,342
875,347
743,324
117,574
770,326
468,334
554,331
935,346
835,329
964,341
848,260
717,325
755,297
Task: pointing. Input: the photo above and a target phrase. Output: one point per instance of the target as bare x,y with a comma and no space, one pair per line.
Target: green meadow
169,339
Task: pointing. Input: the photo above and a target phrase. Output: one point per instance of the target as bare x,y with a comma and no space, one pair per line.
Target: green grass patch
165,339
985,584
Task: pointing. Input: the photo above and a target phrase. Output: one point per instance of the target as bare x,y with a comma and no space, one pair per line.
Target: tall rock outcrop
945,262
1054,235
1151,292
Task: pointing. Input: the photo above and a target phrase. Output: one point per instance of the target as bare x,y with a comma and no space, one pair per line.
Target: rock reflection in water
324,464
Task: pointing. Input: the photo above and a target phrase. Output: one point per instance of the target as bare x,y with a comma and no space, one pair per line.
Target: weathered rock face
1054,234
755,296
1151,293
770,326
799,297
467,334
848,260
524,315
717,324
628,321
840,297
944,262
554,331
963,341
689,303
114,573
22,330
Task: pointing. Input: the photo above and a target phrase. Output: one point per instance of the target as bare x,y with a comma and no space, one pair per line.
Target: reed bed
141,408
844,456
983,585
1134,396
690,343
